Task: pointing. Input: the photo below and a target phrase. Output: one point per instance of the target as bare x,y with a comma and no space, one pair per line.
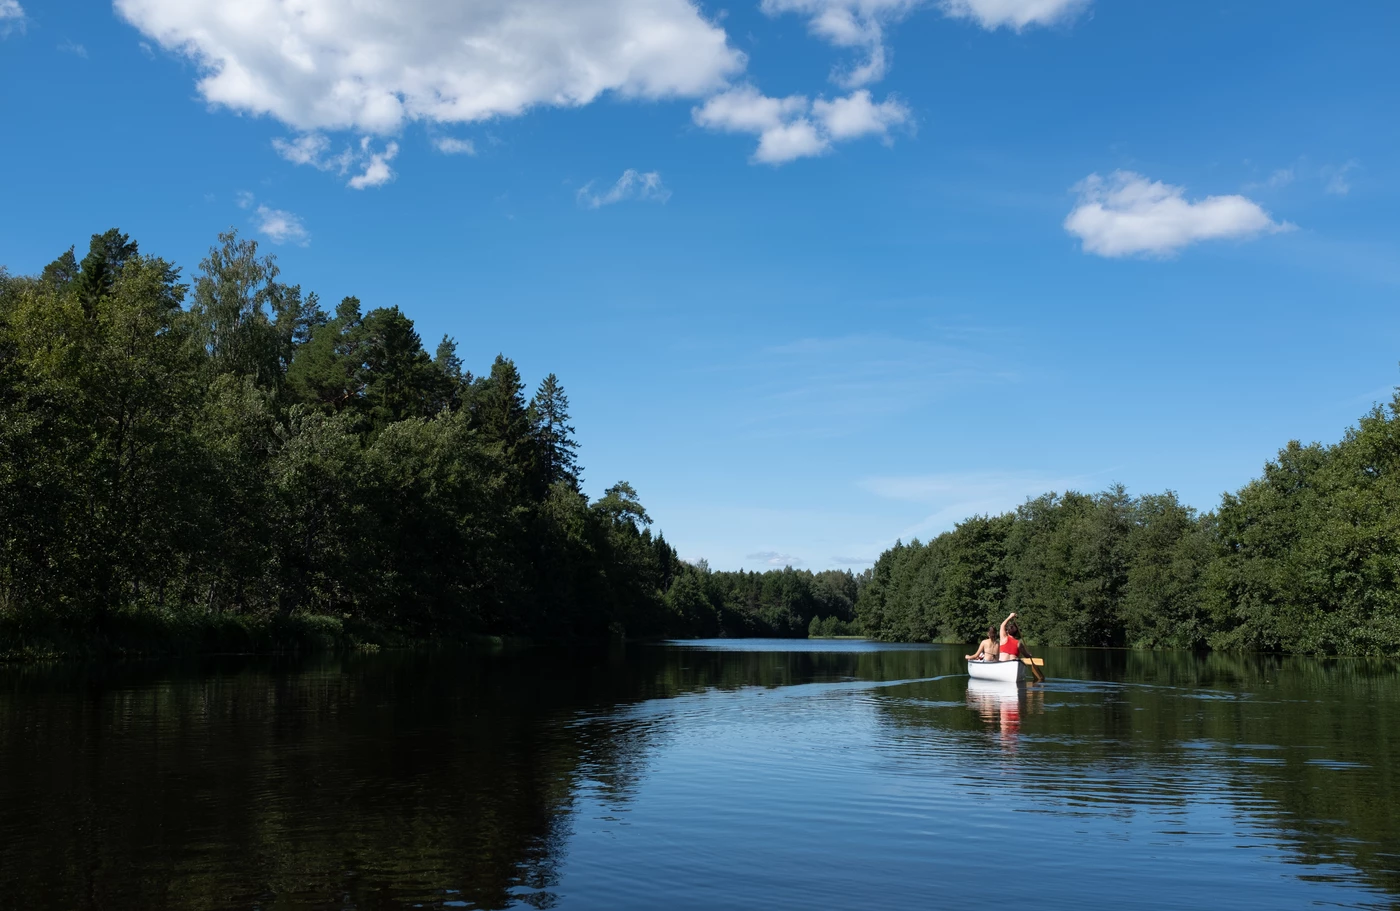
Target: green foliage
781,603
1306,559
255,457
831,627
251,462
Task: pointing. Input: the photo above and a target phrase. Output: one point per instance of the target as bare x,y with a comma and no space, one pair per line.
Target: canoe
1004,671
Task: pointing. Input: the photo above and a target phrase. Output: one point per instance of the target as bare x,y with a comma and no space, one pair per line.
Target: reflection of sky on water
902,795
720,775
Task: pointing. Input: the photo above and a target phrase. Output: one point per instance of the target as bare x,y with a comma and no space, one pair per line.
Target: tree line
1304,559
229,451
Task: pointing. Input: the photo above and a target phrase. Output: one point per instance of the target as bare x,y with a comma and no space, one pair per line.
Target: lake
729,774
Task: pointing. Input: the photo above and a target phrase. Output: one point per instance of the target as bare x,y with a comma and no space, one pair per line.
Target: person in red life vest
1011,647
1010,639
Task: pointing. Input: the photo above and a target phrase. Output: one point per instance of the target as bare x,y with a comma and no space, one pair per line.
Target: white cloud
794,127
72,47
449,145
631,185
1277,179
11,17
1338,183
374,65
1014,14
1126,214
773,558
309,149
856,115
850,23
281,226
956,496
377,171
862,24
314,149
243,199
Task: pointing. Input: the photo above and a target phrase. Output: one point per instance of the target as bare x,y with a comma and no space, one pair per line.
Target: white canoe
1003,671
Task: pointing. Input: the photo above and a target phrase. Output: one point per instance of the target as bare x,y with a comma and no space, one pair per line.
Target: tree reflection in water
452,778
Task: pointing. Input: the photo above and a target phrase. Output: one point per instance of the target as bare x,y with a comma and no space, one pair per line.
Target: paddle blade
1034,662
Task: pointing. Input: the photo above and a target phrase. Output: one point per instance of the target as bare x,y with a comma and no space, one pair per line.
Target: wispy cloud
449,145
632,185
1338,179
281,226
773,558
72,47
862,25
956,496
1279,178
834,386
277,225
1126,214
850,561
313,149
12,18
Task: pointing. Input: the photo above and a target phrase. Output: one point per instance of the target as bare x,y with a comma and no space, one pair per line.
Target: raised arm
1003,625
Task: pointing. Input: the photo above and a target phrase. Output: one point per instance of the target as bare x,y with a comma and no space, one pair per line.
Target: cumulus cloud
862,24
857,115
376,166
631,185
794,127
11,17
448,145
1014,14
773,558
1126,214
372,66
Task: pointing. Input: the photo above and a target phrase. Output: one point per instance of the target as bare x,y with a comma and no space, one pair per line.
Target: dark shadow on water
447,779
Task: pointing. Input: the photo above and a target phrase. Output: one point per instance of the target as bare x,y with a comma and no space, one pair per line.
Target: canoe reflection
1000,704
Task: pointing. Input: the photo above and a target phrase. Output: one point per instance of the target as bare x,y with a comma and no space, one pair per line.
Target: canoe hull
1001,671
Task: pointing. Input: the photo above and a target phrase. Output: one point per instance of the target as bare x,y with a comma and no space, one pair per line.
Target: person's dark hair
1013,630
992,633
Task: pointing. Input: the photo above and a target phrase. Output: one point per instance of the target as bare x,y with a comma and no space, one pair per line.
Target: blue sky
816,274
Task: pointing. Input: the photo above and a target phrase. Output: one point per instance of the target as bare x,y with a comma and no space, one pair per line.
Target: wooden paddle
1035,664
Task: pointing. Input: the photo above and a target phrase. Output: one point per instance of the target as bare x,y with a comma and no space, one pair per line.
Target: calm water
751,774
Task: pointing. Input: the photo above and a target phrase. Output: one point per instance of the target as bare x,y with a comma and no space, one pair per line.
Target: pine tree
554,436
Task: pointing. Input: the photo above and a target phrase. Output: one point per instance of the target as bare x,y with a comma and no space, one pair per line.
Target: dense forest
223,463
1305,559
